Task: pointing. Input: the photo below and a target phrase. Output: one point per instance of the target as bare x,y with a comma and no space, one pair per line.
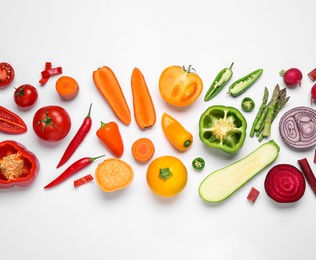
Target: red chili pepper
49,71
71,170
77,139
18,166
83,180
11,123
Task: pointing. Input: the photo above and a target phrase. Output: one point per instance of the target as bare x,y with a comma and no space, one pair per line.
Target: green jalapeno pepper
198,163
223,127
247,104
219,82
242,84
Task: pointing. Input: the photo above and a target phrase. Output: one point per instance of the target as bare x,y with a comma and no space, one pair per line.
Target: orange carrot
113,174
108,85
144,110
143,149
67,87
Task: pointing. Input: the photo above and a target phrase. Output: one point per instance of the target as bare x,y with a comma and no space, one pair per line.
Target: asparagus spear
262,106
270,112
260,124
281,102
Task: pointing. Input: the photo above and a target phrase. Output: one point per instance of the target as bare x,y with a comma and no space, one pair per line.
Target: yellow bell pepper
176,134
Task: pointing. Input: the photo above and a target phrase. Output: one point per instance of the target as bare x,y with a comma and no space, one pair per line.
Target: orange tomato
167,176
179,86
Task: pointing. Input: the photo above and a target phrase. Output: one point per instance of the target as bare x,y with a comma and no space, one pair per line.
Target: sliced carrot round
67,87
113,174
143,149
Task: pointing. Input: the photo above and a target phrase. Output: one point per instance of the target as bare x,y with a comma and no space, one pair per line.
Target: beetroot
285,183
292,77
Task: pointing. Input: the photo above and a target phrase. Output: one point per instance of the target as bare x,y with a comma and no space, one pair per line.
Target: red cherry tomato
6,74
25,96
51,123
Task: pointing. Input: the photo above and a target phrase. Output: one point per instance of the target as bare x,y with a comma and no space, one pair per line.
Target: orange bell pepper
176,134
110,136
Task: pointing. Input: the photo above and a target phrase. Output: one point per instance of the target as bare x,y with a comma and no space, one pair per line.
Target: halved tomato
180,86
6,74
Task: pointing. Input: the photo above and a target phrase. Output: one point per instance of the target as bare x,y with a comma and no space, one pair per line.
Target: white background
81,223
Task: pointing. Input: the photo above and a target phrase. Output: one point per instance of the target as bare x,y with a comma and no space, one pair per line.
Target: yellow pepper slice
176,134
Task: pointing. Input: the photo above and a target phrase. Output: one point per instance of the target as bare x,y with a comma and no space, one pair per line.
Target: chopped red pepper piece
253,194
83,180
49,71
52,72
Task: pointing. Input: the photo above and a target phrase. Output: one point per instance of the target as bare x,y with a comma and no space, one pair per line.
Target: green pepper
219,82
198,163
223,128
241,85
247,104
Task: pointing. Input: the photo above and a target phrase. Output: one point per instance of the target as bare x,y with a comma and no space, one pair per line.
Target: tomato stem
165,174
48,121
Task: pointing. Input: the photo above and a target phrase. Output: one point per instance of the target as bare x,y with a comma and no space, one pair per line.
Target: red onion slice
285,183
297,127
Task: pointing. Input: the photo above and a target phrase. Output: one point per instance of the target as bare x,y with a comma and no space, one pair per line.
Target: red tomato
25,96
51,123
6,74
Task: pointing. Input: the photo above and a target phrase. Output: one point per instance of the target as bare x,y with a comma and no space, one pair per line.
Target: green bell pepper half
223,127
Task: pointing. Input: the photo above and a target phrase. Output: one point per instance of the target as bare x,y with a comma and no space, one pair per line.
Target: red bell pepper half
18,166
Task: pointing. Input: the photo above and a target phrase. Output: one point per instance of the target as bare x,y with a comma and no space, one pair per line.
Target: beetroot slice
285,183
253,194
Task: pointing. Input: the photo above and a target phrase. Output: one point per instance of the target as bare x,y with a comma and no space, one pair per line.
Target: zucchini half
222,183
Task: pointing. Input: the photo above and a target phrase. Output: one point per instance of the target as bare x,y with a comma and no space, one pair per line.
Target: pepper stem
94,158
165,174
187,143
88,116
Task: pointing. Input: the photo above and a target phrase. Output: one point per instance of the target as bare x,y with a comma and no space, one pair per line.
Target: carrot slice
144,110
67,87
113,174
143,149
108,85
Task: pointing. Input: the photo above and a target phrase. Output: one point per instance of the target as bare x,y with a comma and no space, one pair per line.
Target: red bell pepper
18,166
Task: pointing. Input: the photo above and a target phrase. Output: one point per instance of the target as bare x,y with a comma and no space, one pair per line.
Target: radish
292,77
313,94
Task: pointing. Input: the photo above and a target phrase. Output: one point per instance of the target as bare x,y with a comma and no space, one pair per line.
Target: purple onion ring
297,127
